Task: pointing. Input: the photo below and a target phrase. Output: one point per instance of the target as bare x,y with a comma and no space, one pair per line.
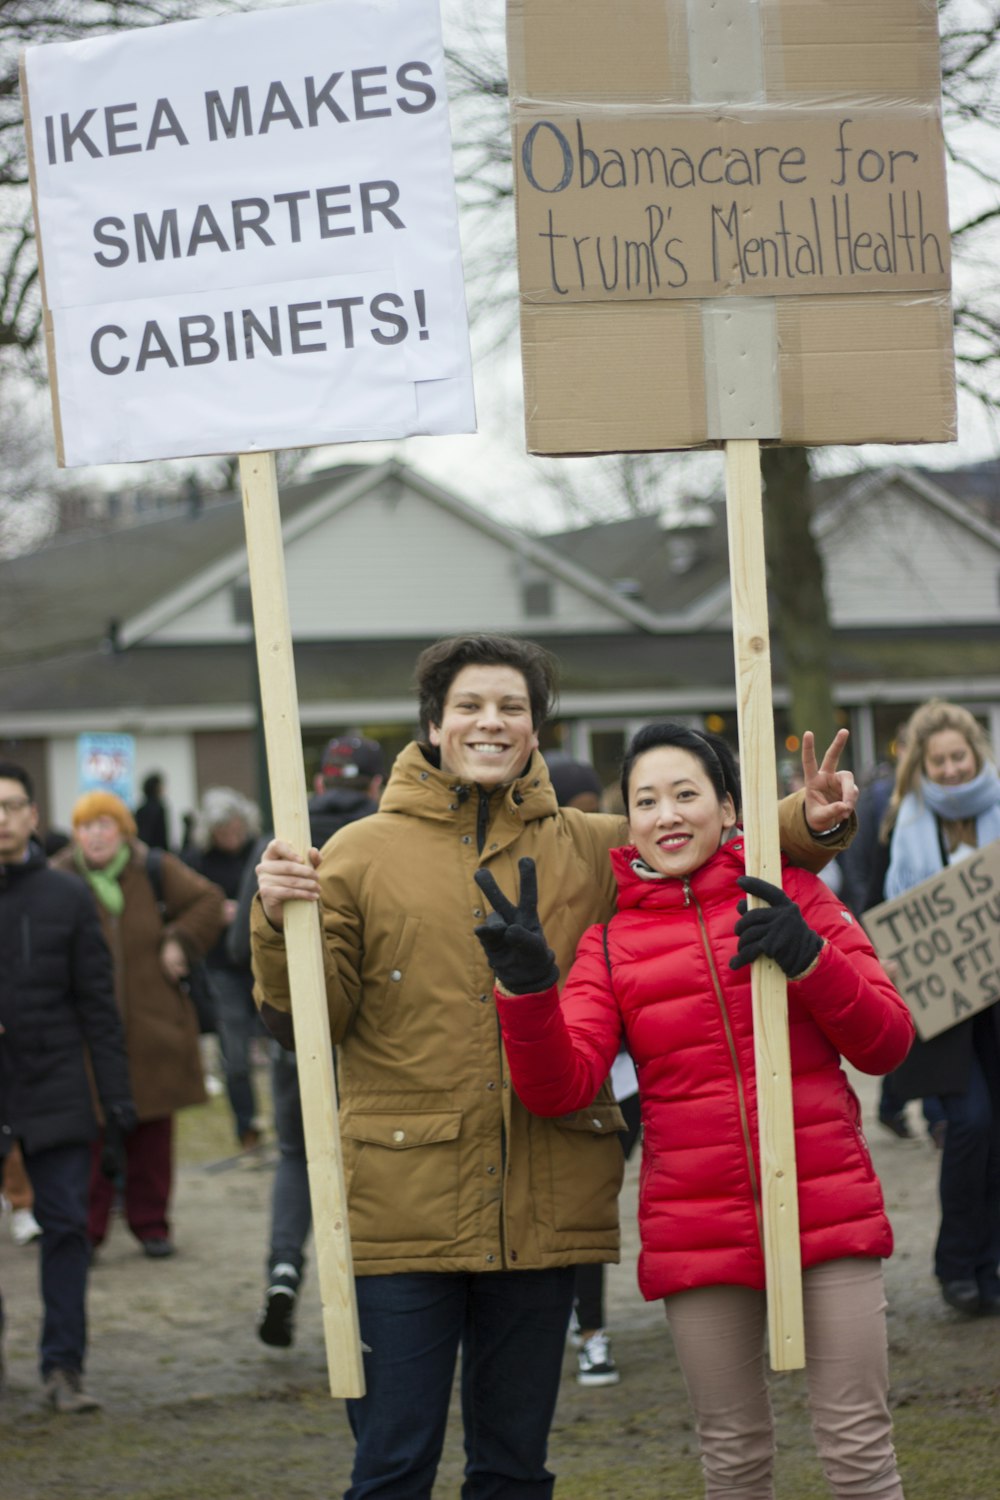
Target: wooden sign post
714,216
303,937
758,779
180,323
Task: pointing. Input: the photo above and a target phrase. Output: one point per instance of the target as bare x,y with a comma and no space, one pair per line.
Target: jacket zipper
482,828
691,900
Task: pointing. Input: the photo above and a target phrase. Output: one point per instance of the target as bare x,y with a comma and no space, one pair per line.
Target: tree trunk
799,615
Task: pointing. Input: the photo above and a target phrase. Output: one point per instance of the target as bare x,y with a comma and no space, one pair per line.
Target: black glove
512,936
113,1149
279,1024
779,930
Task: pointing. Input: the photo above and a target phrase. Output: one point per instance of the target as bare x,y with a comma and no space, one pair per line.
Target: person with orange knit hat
155,934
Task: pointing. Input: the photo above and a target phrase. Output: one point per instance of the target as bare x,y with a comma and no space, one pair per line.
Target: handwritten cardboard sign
698,203
944,937
731,223
248,233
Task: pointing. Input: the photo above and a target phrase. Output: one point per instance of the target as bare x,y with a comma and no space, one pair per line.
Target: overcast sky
492,469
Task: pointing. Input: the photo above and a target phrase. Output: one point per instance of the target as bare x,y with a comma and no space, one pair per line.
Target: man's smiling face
18,821
486,734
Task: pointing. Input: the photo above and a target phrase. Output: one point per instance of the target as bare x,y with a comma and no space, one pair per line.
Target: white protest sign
249,234
943,936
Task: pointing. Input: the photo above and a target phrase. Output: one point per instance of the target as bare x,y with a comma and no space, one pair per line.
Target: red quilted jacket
686,1018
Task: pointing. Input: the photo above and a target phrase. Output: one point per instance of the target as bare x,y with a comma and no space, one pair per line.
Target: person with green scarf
153,944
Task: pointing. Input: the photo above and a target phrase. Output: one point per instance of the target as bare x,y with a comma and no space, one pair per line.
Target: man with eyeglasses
57,1009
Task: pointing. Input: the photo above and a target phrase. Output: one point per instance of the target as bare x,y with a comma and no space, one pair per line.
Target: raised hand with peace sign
512,936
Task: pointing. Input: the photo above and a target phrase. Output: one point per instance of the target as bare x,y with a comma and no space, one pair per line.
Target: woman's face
675,817
949,759
100,840
230,836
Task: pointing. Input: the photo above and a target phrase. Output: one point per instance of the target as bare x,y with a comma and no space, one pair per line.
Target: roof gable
387,553
899,550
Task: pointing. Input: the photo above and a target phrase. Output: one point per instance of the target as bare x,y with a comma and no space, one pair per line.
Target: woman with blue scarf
945,805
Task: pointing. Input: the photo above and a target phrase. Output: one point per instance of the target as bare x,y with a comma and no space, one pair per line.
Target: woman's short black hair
440,664
711,749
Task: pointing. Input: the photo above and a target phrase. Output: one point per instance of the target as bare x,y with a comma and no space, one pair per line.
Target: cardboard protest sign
732,223
248,233
944,938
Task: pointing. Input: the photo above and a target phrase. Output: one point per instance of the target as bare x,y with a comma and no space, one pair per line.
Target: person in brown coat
153,948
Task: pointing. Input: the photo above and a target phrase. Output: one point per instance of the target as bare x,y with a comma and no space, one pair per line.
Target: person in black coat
59,1026
224,833
151,814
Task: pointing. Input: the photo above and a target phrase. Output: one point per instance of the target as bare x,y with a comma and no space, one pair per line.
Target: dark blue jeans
511,1328
968,1244
236,1018
291,1208
60,1179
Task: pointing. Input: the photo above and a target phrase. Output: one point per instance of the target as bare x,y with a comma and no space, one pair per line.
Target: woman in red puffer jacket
670,975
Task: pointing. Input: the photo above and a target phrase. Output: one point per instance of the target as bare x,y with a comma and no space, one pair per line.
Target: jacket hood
669,891
36,860
419,787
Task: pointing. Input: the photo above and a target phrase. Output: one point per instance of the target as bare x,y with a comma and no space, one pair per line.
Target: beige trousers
718,1333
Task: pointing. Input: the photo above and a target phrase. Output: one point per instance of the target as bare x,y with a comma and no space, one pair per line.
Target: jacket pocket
403,1177
391,985
587,1164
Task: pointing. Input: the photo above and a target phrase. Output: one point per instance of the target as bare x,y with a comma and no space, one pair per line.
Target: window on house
241,604
536,597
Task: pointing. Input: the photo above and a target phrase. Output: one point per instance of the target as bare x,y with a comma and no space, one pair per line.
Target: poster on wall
106,763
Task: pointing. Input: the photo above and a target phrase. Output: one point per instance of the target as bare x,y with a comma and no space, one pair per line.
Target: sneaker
24,1227
64,1393
898,1124
575,1334
962,1295
157,1247
276,1325
595,1363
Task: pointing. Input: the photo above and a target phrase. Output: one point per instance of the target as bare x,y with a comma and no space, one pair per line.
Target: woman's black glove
512,936
119,1123
779,930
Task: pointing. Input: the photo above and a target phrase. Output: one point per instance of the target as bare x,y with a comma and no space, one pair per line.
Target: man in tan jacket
468,1214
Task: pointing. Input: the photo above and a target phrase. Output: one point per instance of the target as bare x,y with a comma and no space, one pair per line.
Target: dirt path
196,1408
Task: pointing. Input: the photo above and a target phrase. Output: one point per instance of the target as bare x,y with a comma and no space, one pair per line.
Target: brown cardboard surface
860,49
944,938
835,212
866,369
698,203
587,51
580,393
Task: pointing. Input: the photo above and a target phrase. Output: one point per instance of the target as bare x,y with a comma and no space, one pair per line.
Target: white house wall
398,565
211,620
896,560
170,754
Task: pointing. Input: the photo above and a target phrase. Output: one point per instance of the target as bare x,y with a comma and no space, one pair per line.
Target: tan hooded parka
446,1169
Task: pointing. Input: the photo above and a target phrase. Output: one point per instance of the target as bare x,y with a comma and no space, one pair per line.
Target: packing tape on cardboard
725,52
742,393
742,390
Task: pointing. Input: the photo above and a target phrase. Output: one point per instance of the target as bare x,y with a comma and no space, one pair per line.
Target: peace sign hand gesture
512,936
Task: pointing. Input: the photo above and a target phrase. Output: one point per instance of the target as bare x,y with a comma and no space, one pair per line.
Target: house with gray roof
145,628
